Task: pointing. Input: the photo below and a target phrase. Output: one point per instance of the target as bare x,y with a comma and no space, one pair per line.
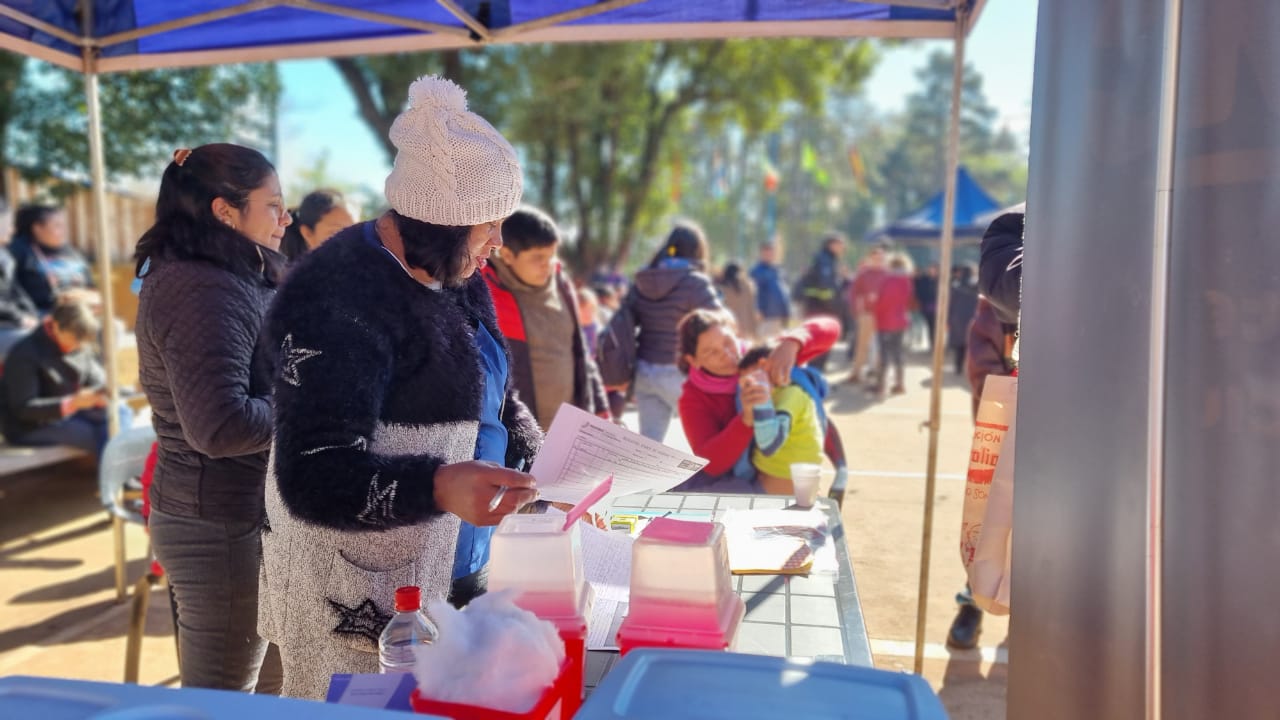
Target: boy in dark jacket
537,312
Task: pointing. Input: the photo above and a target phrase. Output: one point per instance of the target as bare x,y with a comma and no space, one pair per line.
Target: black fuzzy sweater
365,351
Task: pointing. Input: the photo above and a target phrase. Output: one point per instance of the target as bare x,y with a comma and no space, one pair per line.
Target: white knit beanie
452,167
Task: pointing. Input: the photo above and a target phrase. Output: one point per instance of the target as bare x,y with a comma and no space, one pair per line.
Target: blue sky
320,116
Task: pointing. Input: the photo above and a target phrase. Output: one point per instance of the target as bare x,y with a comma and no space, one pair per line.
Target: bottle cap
408,599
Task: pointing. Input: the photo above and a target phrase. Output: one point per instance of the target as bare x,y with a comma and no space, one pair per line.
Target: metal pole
1161,242
102,249
940,327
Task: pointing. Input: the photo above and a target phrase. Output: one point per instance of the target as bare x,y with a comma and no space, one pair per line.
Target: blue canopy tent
924,225
921,231
101,36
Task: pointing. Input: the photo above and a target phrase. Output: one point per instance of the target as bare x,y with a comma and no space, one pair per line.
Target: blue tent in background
924,226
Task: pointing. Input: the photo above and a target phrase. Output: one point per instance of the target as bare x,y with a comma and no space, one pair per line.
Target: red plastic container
573,631
551,706
635,635
535,556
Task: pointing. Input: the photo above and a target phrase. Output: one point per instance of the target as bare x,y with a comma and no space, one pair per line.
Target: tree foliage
595,123
913,168
851,167
145,116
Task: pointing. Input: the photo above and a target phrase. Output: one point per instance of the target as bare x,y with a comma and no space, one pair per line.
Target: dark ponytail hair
732,276
313,207
185,227
685,241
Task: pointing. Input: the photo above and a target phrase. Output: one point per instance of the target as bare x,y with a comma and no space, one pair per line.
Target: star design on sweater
292,356
364,619
379,502
360,444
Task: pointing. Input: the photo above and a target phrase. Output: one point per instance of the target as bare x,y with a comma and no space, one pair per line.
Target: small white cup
805,478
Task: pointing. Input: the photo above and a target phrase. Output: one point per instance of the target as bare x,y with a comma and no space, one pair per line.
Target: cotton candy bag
492,654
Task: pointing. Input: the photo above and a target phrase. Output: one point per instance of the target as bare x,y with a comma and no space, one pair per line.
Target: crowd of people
337,402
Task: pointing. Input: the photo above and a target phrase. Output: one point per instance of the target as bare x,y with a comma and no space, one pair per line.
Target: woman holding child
718,400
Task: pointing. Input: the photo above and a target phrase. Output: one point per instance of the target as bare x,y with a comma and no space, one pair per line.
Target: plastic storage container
55,698
535,556
681,589
551,706
654,684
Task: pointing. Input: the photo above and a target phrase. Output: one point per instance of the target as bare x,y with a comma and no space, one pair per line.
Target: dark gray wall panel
1222,496
1076,638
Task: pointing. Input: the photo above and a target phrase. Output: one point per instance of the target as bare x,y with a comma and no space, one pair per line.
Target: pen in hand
497,497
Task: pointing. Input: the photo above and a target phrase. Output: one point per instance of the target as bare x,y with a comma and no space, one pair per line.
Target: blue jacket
771,292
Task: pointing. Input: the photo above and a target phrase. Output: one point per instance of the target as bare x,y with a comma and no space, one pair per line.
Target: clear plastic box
681,589
534,555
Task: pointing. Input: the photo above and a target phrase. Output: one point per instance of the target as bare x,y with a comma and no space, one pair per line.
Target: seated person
717,405
787,428
47,264
54,385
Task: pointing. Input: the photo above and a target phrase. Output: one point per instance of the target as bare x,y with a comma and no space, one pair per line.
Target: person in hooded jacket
674,283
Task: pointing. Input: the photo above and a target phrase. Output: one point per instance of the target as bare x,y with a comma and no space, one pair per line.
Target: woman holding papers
393,413
718,425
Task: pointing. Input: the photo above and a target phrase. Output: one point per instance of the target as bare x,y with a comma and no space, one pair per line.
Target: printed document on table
581,450
606,557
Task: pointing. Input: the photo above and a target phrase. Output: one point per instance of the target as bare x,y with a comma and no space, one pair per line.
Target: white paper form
606,557
581,449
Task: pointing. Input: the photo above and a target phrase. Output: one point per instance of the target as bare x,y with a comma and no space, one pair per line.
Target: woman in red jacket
717,429
893,316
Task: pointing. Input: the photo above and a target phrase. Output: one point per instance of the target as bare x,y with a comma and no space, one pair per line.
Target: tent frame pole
940,326
1158,353
101,248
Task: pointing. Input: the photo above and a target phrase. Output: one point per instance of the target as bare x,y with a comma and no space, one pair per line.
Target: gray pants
658,390
212,567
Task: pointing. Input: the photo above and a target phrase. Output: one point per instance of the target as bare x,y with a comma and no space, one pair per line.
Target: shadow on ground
969,695
104,579
41,499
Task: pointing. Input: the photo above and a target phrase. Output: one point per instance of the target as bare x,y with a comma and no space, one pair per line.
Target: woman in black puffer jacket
209,267
674,284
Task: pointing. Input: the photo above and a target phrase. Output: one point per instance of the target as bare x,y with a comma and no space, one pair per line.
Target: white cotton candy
492,654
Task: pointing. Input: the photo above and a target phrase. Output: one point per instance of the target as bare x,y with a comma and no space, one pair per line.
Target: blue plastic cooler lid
651,684
58,699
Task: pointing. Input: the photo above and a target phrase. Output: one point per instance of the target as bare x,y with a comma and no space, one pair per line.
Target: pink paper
592,498
679,531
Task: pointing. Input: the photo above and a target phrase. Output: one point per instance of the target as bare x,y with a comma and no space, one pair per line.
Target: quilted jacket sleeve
220,416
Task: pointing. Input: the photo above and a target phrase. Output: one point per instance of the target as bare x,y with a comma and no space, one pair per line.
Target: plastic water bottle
408,628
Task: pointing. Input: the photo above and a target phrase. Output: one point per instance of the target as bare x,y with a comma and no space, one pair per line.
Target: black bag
616,353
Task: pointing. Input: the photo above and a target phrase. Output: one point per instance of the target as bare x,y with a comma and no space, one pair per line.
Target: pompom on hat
452,167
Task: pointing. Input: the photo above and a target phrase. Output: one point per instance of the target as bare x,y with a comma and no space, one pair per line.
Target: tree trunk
655,135
582,205
550,159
